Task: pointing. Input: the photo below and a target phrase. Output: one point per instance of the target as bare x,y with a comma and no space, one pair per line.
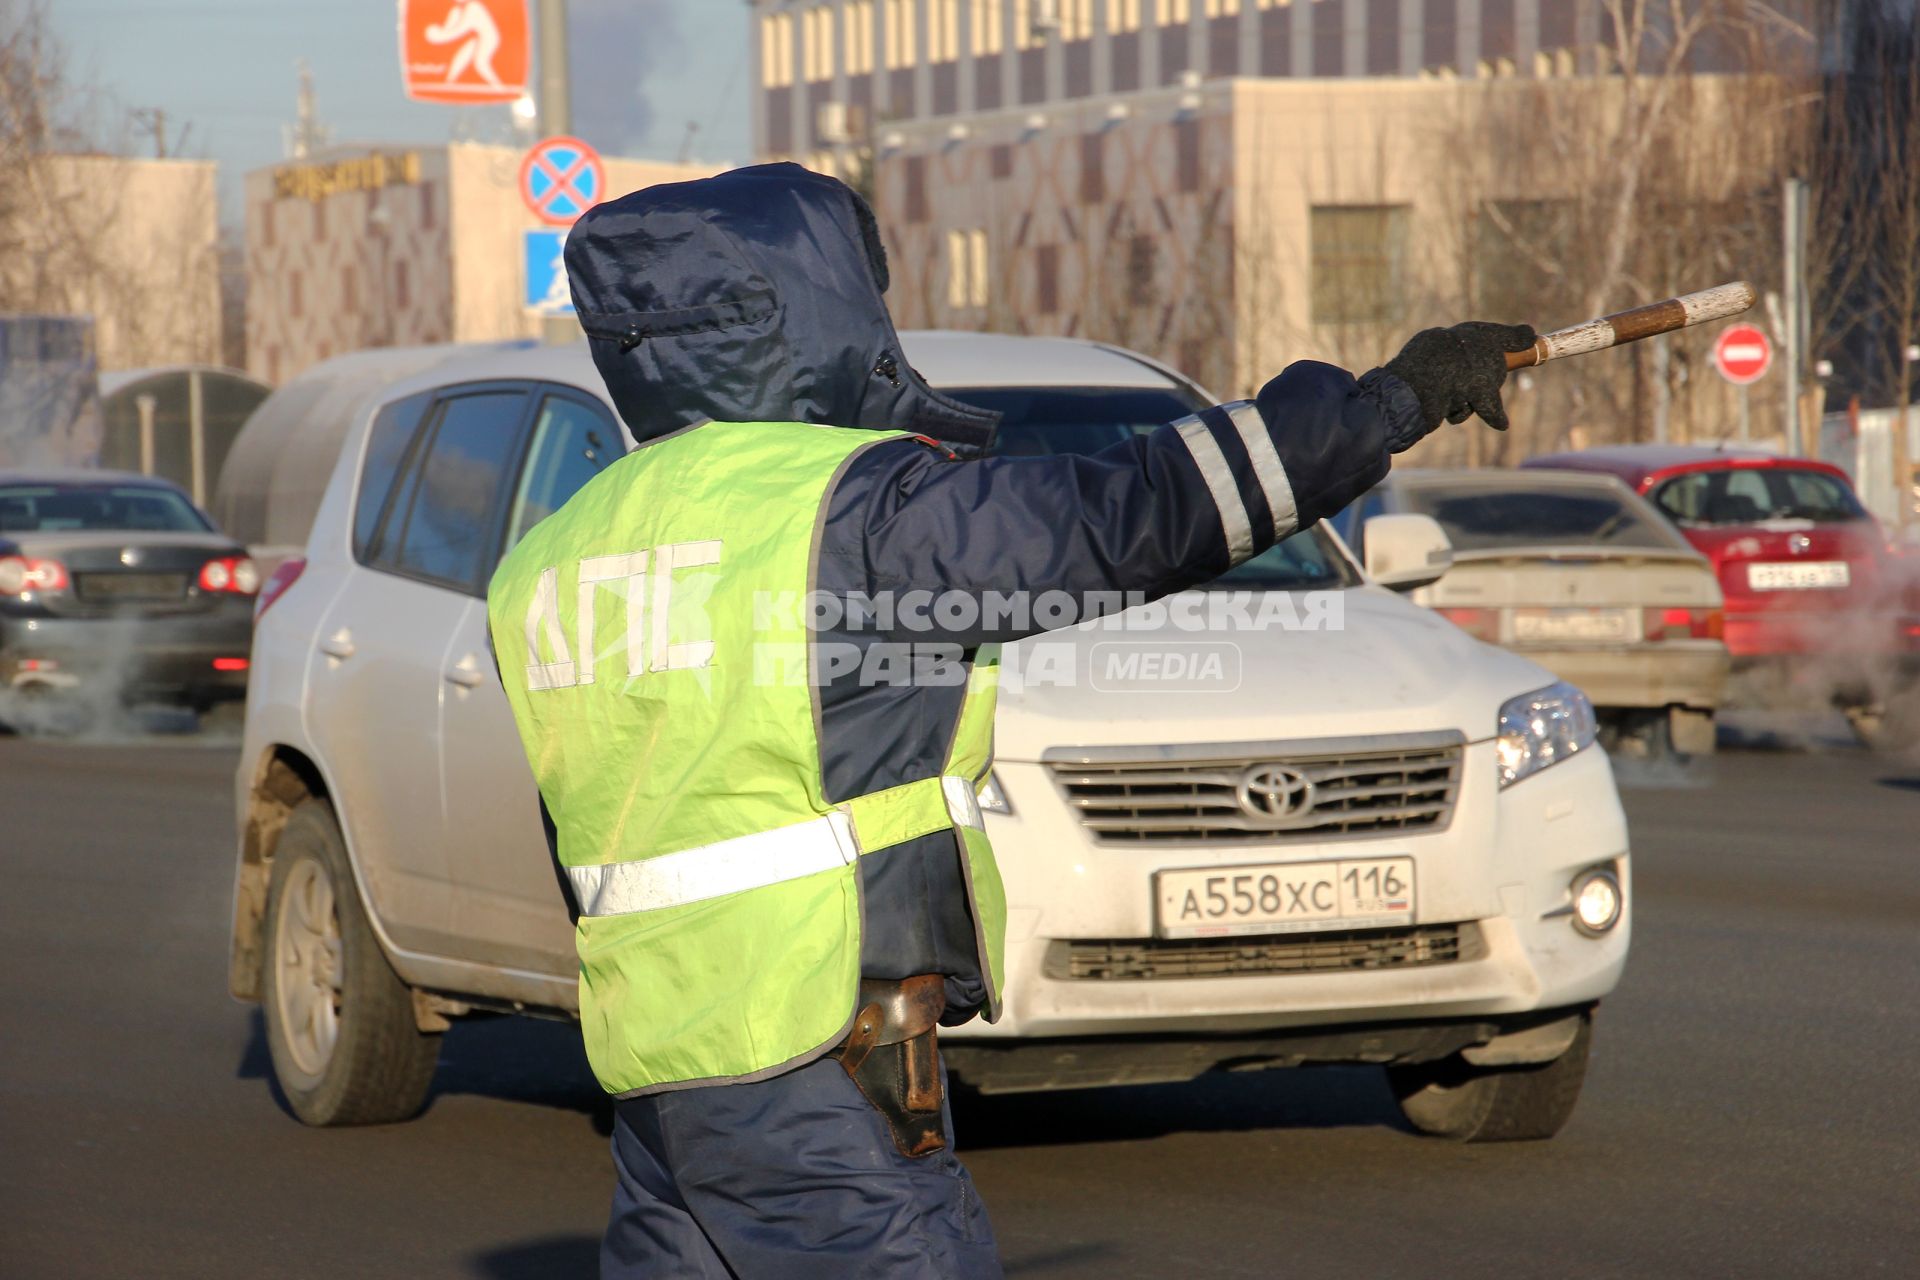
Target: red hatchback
1817,603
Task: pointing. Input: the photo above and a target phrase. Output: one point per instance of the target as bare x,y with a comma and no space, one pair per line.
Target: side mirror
1407,551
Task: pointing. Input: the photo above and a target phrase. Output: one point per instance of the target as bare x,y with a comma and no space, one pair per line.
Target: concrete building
1233,226
1224,227
835,73
378,247
1228,185
130,244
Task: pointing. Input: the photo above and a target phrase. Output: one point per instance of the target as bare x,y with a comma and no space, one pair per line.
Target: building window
817,42
1186,154
1223,8
916,210
966,269
1025,14
1141,252
857,26
900,46
943,30
1076,19
1274,4
1093,170
1168,13
1000,161
1359,263
988,34
1123,15
1046,270
776,50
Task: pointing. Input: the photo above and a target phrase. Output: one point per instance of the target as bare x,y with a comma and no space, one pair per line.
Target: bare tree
1891,149
81,233
35,122
1656,174
1824,153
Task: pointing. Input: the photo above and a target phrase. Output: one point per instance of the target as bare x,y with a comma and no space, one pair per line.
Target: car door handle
338,645
466,676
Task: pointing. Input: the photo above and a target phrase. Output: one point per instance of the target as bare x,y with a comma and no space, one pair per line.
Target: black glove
1457,372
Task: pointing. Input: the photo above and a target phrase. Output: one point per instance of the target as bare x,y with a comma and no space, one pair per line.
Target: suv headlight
1542,728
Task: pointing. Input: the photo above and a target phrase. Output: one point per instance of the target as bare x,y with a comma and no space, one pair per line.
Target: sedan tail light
1686,624
1481,624
283,576
22,574
235,574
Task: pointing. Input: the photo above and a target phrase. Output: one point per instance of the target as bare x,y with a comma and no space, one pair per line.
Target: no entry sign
560,179
1743,354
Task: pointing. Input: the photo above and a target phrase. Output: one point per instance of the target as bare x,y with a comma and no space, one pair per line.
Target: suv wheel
1452,1098
340,1025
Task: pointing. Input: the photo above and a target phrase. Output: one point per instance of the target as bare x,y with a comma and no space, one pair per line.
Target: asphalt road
1751,1108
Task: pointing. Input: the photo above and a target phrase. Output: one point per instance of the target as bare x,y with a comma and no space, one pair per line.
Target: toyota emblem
1274,794
1799,543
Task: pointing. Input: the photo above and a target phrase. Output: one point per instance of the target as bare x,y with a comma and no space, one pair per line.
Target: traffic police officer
773,844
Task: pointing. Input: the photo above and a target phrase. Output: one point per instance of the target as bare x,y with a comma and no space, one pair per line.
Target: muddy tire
340,1023
1454,1099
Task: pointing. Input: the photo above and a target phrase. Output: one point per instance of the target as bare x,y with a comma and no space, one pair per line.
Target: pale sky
643,71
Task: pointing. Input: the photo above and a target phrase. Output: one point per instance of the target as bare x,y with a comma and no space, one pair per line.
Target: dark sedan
115,589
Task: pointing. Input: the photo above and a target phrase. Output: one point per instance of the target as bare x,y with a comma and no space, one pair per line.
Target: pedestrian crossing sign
546,272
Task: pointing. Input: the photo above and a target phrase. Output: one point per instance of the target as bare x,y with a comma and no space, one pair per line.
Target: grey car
1585,577
115,588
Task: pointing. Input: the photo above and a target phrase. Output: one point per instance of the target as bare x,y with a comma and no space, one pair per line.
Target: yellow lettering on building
363,173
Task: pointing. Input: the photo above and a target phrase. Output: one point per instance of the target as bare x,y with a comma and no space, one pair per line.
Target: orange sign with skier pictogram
464,51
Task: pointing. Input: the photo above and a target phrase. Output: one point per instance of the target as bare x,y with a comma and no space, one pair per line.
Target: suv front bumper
1498,876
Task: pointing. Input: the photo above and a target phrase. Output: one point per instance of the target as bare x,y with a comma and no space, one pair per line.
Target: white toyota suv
1291,818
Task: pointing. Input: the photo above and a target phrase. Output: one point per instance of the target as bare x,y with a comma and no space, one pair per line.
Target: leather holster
893,1057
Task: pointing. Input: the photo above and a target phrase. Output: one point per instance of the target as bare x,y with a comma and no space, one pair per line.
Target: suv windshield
1039,421
1749,495
52,508
1478,517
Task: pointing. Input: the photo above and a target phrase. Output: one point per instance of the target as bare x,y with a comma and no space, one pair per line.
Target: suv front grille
1193,795
1144,959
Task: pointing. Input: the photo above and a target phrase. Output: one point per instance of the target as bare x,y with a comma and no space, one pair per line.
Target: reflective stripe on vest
663,694
744,862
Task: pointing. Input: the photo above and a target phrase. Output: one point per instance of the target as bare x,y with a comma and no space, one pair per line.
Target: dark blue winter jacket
755,296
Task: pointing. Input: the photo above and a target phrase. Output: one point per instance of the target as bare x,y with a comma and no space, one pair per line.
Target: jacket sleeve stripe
1267,468
1213,467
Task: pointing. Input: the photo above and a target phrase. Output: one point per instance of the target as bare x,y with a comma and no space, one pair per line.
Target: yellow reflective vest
668,712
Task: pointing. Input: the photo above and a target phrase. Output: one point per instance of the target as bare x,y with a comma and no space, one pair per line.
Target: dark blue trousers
785,1179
